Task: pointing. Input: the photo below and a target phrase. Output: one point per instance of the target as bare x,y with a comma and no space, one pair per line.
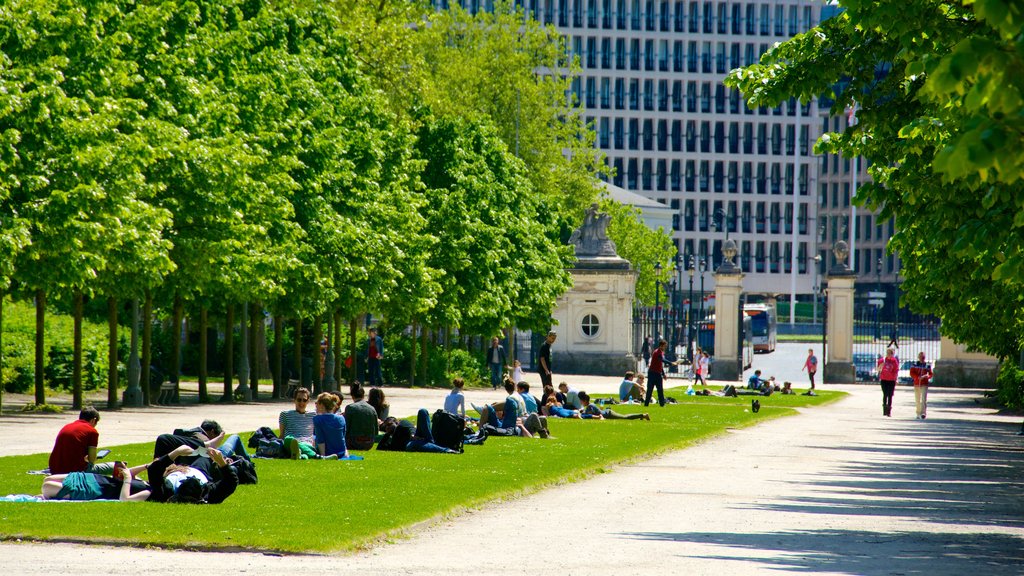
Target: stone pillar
727,364
959,368
839,367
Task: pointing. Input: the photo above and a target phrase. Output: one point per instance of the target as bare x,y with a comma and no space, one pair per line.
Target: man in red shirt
656,373
75,448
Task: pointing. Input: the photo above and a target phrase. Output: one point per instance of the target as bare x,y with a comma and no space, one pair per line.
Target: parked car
864,364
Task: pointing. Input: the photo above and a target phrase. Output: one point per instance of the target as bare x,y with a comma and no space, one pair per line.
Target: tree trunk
40,345
423,355
412,357
147,343
111,353
297,351
229,353
254,347
352,327
278,355
179,312
203,324
336,342
76,368
318,358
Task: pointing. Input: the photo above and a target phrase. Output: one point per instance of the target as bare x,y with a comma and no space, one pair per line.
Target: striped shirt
298,425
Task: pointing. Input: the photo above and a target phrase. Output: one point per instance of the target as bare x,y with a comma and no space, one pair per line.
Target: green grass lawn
327,506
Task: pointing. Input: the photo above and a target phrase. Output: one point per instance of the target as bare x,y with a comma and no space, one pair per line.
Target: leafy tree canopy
939,89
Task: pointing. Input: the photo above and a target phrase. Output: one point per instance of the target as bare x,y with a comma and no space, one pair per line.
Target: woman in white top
455,401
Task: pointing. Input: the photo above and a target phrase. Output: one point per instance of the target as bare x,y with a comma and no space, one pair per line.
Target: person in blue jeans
496,361
232,447
423,439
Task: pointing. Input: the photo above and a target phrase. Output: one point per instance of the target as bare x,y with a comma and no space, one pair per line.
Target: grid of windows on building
651,83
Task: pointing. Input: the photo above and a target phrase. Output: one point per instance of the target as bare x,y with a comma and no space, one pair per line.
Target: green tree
495,246
643,247
939,95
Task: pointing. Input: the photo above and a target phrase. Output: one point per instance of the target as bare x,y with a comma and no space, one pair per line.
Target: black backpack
448,430
263,433
246,471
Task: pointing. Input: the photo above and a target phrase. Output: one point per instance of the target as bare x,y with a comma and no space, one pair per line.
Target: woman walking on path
922,374
811,365
888,369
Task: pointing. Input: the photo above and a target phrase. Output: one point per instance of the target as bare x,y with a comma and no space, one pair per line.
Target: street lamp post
689,310
878,288
703,266
657,301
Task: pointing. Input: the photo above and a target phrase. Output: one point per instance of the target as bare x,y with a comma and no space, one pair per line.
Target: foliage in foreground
938,93
382,494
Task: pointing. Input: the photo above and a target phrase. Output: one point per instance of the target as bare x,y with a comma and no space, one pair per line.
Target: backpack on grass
448,430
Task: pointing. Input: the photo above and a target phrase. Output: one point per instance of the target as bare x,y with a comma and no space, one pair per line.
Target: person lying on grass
208,480
592,411
122,486
329,427
209,434
403,436
554,408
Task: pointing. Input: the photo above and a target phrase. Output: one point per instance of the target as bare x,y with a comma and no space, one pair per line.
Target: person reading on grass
403,436
208,434
208,480
592,411
295,428
75,447
329,427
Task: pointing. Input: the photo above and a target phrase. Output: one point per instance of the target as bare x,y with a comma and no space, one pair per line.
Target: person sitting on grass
74,450
534,422
628,389
511,416
455,401
329,427
295,428
123,486
593,411
755,382
571,398
376,399
554,408
361,419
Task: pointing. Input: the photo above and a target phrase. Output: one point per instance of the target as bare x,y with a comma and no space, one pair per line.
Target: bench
167,394
293,385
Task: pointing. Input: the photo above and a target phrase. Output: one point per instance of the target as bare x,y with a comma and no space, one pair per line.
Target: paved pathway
836,490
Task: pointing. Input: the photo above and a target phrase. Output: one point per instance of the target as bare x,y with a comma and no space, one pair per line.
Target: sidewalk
836,490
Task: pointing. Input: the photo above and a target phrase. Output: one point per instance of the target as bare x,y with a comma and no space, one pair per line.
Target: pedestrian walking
656,373
496,360
888,369
811,365
922,374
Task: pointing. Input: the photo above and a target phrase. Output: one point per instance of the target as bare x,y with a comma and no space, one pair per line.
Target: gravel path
836,490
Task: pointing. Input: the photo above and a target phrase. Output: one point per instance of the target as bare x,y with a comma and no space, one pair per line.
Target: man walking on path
545,359
496,361
374,354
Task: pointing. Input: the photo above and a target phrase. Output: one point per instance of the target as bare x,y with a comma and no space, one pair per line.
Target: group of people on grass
198,465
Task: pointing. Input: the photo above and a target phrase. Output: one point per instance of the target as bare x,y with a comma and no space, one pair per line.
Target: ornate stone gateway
595,317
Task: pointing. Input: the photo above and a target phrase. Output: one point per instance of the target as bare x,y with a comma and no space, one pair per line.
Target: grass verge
331,506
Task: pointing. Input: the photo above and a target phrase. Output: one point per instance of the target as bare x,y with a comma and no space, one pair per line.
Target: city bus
706,338
762,318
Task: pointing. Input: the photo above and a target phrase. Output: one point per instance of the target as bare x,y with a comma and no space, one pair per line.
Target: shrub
1010,385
